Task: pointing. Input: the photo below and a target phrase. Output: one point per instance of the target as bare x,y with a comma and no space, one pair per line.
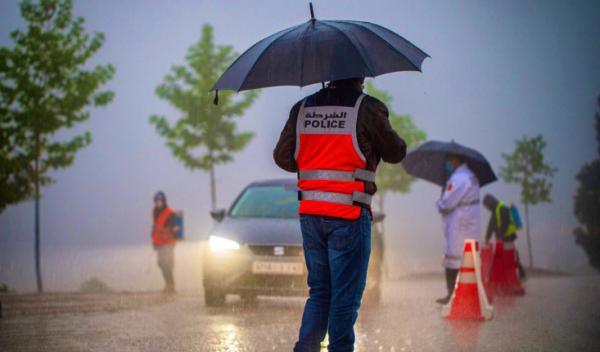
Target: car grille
269,250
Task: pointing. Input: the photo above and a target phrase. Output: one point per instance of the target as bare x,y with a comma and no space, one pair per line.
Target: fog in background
499,71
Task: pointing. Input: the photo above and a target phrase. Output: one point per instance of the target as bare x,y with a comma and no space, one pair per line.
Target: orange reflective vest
160,233
331,166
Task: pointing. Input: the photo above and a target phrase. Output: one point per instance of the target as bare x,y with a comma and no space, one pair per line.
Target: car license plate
285,268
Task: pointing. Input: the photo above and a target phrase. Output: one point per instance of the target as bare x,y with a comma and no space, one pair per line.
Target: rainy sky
499,70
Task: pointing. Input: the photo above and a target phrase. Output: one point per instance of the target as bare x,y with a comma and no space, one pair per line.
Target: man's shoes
169,289
444,300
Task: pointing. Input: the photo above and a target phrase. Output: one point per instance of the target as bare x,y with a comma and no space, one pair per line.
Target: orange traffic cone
469,300
512,284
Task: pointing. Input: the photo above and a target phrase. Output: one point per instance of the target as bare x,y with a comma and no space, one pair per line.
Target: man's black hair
348,82
460,158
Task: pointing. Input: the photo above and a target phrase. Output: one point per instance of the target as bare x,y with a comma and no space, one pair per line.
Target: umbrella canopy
427,162
319,51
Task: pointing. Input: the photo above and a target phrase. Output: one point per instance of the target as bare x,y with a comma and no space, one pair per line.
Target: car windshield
274,201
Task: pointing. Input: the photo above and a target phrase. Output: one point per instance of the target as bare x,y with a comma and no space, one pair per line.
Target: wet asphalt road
557,314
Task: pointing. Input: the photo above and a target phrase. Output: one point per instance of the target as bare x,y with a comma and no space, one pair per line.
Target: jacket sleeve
283,155
453,194
386,142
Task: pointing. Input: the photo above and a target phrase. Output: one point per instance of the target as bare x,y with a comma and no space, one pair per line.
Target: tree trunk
213,189
38,267
528,235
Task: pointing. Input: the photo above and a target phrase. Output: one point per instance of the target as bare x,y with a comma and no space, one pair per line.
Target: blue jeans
337,256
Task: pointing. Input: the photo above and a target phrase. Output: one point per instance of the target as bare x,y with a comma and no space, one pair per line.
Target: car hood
259,230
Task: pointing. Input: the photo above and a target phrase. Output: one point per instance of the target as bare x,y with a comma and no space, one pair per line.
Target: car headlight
220,244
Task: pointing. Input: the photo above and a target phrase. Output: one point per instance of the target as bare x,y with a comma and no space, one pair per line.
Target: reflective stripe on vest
348,199
335,175
331,166
511,228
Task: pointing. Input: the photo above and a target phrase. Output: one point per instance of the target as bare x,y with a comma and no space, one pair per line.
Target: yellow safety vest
511,229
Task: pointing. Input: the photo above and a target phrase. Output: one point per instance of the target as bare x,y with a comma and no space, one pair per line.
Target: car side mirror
217,214
378,217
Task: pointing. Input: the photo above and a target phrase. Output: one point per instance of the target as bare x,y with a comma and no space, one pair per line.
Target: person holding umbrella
334,140
336,169
459,207
460,171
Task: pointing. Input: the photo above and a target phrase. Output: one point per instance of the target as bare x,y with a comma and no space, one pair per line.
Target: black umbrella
427,162
319,51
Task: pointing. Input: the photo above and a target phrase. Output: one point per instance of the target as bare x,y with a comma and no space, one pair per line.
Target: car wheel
213,297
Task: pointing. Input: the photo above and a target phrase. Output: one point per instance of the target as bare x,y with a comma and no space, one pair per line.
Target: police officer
334,140
459,206
501,224
164,227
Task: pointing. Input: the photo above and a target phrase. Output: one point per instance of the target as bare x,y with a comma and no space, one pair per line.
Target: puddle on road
228,338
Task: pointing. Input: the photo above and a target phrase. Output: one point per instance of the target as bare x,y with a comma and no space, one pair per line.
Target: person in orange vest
164,228
334,140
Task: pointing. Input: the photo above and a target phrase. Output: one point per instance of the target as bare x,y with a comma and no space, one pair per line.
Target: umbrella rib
283,32
362,23
353,45
302,57
238,59
392,47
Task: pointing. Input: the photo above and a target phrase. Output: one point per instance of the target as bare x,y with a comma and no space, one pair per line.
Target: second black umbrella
427,162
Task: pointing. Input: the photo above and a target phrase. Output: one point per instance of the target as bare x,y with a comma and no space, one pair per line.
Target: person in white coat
459,206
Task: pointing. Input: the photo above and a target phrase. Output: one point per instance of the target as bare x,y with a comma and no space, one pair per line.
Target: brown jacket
376,138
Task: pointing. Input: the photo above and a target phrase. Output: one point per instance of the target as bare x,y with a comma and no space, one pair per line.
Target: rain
497,73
